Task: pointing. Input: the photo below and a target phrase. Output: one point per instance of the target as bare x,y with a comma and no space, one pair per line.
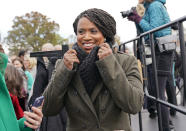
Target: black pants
171,92
151,104
164,62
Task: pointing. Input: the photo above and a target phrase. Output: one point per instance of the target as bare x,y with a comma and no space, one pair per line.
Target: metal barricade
179,23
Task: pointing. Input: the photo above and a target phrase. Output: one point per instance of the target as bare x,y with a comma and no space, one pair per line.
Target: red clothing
18,110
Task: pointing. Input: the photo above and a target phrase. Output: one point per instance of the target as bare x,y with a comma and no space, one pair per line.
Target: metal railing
179,23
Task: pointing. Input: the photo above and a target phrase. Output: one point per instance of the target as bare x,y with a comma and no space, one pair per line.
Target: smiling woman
98,88
88,35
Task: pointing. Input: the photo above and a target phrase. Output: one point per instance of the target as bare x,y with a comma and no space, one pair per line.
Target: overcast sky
64,12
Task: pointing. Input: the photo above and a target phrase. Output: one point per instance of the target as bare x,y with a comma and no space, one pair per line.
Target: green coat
8,120
118,95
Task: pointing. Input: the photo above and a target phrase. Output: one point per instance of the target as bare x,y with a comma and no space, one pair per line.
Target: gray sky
64,12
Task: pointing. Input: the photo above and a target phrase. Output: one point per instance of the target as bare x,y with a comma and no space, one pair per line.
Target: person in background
115,47
171,89
22,54
179,76
28,81
30,65
8,120
18,63
41,79
47,47
57,47
12,58
45,66
155,16
98,88
14,83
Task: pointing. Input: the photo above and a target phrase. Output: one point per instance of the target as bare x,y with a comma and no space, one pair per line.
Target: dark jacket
54,123
119,94
41,80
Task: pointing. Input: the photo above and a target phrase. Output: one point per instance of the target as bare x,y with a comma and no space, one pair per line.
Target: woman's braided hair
103,20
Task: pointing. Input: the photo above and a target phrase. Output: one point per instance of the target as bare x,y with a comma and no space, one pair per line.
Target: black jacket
43,75
41,80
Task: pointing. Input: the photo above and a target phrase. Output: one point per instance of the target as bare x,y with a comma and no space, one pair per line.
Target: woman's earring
105,40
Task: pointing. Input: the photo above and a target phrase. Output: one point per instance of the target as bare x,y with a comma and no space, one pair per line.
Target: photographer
155,16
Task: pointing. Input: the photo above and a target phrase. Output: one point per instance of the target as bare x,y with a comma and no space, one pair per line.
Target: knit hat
103,21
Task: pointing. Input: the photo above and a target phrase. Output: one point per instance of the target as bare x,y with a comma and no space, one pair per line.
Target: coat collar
78,84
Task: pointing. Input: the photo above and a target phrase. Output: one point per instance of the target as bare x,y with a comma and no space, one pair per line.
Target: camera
128,12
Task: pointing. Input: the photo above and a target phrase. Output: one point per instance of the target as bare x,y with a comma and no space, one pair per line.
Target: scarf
87,68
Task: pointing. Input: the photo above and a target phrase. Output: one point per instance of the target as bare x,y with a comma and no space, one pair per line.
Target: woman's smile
88,35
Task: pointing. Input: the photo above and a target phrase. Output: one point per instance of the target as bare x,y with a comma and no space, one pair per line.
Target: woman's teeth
88,45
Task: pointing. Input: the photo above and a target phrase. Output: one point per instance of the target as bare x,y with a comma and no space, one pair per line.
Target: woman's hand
104,51
69,58
33,119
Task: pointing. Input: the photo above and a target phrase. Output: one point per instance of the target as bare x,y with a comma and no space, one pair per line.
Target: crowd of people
93,86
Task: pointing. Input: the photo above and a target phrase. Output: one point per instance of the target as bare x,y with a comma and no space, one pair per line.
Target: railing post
144,72
143,62
140,121
119,47
183,55
156,80
135,48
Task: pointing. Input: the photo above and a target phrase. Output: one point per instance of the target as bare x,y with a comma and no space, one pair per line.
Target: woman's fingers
38,112
71,51
31,125
70,57
33,119
104,50
104,45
